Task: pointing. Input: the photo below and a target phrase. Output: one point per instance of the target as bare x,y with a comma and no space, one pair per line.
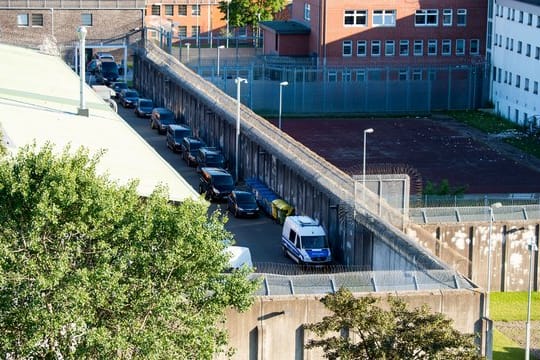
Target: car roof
144,99
215,171
179,127
193,139
242,192
210,150
162,110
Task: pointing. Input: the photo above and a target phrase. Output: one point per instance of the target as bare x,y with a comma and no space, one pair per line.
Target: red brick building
348,32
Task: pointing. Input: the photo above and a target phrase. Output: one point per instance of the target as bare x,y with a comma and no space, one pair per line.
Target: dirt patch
433,149
515,330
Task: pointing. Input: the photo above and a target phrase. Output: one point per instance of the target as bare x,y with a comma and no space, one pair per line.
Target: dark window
182,10
37,19
156,10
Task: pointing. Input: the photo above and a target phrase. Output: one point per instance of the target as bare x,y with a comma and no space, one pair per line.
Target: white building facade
515,56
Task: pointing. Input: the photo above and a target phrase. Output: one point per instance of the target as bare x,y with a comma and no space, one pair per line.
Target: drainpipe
324,34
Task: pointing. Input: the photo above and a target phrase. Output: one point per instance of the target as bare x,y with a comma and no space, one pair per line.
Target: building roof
287,27
40,96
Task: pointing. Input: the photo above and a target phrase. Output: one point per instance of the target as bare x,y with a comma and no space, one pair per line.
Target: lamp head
368,131
284,83
240,80
81,32
221,47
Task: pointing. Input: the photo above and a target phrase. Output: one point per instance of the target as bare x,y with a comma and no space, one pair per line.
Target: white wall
511,102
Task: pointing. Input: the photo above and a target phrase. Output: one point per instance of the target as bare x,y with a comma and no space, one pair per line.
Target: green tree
90,270
247,12
363,330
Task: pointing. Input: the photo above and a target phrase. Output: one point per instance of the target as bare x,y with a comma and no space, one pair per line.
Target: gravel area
515,330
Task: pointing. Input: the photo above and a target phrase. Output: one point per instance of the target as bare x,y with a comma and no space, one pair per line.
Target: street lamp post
218,49
81,34
187,53
227,31
366,131
489,333
532,248
281,85
238,81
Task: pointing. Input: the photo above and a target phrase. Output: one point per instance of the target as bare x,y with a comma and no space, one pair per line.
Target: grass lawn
511,306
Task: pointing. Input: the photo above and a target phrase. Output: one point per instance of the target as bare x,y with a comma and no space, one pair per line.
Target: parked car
242,203
209,157
190,146
175,134
215,183
161,118
128,97
143,107
106,72
117,87
103,56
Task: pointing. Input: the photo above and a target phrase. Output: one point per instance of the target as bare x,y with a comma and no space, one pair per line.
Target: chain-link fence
358,281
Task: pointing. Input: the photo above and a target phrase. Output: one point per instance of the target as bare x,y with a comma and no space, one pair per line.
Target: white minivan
304,240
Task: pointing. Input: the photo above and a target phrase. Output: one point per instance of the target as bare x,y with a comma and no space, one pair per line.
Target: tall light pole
227,31
238,81
218,48
81,34
281,85
532,248
366,131
489,333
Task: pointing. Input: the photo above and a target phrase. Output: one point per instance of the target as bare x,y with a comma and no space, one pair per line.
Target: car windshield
214,157
166,116
181,133
245,198
314,242
146,104
132,94
195,146
109,66
223,180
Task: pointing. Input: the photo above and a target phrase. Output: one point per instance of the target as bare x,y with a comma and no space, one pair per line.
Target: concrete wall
273,327
465,247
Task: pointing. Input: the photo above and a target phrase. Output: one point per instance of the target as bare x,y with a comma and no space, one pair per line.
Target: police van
304,240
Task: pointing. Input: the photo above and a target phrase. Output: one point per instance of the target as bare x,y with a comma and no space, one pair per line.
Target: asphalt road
261,235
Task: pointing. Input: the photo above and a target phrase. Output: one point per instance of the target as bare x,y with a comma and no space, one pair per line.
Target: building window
403,47
307,12
169,10
506,77
361,48
432,47
360,75
37,19
520,19
195,10
355,18
494,73
427,17
182,31
418,48
535,87
508,14
475,47
447,17
462,17
513,14
538,21
511,44
417,74
332,76
537,53
499,77
156,10
518,81
182,10
507,43
346,75
529,19
389,48
528,52
520,45
347,48
22,20
526,84
460,46
195,31
403,74
384,18
446,47
86,19
509,78
375,47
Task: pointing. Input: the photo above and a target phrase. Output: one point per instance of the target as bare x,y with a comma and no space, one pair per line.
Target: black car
128,97
215,183
209,157
190,146
175,134
242,203
107,72
144,107
118,87
161,118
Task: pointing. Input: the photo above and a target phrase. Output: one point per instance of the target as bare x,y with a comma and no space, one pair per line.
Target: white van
240,256
305,241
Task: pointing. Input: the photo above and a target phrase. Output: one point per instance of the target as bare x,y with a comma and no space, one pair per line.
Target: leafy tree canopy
89,270
247,12
360,329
